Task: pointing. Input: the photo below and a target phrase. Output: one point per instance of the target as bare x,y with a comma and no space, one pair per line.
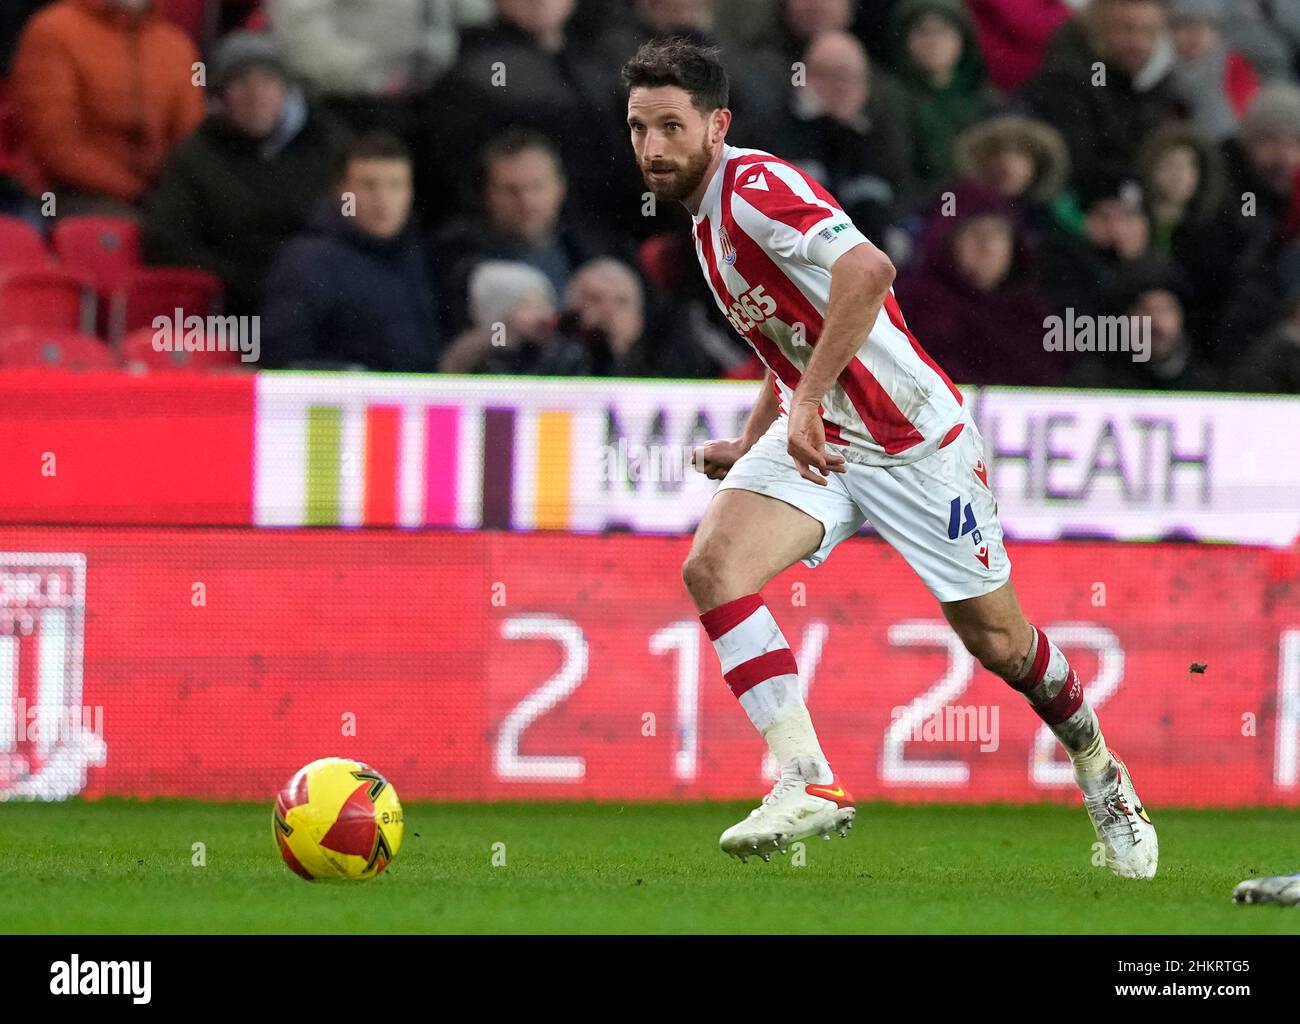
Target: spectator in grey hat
1270,135
246,180
1214,82
514,312
1264,163
1268,33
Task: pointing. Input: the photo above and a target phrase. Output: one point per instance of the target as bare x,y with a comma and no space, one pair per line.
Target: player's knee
698,572
707,575
996,651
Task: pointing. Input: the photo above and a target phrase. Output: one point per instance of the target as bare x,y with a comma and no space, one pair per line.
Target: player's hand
715,458
807,445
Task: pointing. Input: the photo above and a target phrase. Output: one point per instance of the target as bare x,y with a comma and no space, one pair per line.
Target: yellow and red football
338,819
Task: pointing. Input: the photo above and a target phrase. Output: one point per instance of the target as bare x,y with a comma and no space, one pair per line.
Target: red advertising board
106,448
213,663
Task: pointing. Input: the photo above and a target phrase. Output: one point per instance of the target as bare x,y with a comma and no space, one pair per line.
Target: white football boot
1283,889
1121,823
793,810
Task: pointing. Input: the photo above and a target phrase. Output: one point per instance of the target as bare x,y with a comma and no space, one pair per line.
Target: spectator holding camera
515,326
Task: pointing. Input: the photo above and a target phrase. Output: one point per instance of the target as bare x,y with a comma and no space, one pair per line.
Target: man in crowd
354,290
233,192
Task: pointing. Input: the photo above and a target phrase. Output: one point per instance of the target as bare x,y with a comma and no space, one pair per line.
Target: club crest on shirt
728,250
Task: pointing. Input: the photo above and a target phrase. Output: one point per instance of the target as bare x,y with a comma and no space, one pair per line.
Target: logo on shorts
982,472
728,250
961,521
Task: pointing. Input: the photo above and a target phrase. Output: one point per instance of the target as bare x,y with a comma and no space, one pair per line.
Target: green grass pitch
121,867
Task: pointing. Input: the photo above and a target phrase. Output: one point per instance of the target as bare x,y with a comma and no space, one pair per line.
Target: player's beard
685,180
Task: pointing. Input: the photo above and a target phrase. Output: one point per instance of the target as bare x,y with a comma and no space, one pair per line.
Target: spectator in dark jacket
237,189
971,299
1261,262
840,131
1272,364
1104,124
1079,271
520,71
523,219
354,290
1183,176
1150,298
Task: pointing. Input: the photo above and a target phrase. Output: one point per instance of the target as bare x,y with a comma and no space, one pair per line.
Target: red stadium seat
138,353
105,249
21,245
46,298
32,347
151,292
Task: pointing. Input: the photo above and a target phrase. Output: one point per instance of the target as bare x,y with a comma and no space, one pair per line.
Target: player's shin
1055,693
760,670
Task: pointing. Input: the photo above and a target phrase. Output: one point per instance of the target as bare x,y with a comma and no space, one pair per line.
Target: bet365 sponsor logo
75,977
750,309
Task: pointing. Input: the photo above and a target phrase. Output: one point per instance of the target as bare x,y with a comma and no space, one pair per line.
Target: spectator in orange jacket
105,88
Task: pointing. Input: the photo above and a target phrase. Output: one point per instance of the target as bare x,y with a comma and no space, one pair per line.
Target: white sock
759,667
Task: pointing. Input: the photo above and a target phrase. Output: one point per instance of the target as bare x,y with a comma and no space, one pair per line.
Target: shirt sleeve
791,216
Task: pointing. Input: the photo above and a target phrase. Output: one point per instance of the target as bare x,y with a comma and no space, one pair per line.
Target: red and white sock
759,667
1054,691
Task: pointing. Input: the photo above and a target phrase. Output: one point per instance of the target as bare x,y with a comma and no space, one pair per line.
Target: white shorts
937,512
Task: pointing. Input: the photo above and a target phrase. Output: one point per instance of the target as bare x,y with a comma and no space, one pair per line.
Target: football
338,819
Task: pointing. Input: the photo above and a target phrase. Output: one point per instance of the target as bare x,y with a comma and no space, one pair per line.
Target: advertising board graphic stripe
498,467
441,464
551,508
8,692
380,504
324,441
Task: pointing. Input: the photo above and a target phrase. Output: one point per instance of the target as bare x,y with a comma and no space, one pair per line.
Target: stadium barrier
212,663
351,450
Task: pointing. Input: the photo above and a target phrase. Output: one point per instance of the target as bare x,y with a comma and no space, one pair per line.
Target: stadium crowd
389,182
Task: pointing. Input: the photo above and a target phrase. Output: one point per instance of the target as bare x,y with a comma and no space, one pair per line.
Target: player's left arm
860,281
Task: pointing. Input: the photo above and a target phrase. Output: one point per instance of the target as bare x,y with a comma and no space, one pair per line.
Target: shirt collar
715,184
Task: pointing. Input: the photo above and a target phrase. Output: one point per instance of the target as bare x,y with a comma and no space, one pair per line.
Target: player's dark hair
675,60
373,146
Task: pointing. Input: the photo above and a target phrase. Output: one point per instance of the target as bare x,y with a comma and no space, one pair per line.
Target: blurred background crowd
1018,159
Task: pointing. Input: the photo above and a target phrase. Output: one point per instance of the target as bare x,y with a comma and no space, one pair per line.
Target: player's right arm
715,458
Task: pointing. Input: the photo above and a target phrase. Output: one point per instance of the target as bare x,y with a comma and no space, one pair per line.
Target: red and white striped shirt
767,235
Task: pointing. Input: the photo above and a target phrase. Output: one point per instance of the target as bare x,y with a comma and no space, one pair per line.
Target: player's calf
996,632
